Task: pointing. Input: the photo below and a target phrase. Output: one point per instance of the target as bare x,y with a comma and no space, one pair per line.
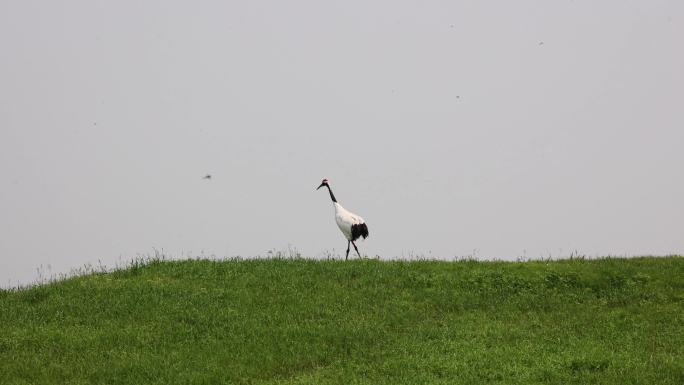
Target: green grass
277,321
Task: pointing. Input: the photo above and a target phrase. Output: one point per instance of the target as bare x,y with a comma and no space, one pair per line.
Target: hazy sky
495,128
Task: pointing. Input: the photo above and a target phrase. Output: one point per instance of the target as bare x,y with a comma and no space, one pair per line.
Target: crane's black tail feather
359,230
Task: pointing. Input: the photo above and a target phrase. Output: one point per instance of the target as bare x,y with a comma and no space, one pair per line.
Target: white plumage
345,220
352,226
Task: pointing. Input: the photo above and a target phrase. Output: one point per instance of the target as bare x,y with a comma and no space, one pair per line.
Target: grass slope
607,321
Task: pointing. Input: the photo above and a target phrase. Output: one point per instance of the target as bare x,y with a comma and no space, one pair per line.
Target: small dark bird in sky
541,43
208,176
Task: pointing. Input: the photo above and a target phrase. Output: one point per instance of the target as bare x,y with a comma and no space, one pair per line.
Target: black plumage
359,230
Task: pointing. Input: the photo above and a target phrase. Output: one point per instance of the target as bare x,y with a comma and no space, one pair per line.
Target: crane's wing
359,230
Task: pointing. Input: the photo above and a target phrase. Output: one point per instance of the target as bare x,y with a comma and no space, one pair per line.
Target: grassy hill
607,321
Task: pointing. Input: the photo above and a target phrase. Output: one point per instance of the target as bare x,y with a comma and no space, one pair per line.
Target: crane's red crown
323,183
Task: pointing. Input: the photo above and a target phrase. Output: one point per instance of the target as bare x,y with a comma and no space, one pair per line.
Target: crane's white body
352,226
345,220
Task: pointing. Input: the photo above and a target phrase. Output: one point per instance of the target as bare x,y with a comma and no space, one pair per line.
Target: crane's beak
322,184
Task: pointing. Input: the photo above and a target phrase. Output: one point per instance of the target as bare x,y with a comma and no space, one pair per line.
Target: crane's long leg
345,257
356,248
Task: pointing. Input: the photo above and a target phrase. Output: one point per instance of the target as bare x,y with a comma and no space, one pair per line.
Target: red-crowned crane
352,226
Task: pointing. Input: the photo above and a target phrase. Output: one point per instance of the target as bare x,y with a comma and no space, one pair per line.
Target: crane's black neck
332,196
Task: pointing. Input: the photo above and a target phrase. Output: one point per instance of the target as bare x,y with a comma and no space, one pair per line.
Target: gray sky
504,129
